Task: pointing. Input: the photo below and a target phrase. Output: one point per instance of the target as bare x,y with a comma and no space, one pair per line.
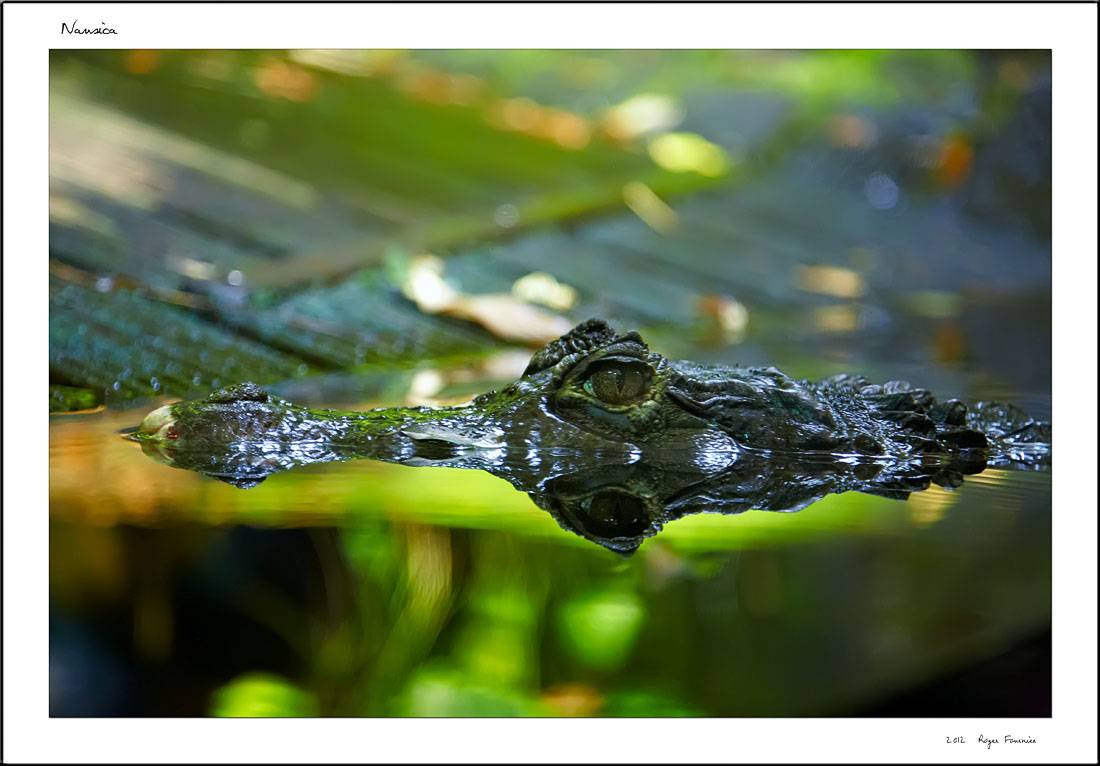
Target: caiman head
594,388
598,388
593,391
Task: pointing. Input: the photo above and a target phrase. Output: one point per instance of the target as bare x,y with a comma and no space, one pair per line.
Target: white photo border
31,30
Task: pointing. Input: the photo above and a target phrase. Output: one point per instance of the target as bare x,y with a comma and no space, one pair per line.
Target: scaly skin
656,407
614,440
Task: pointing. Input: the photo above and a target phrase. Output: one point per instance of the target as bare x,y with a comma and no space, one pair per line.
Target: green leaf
262,695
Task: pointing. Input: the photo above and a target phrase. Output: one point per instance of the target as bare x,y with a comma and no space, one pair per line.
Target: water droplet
235,277
116,385
303,369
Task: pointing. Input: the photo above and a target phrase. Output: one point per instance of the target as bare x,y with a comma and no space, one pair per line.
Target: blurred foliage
869,77
563,78
260,214
599,627
261,695
70,399
258,180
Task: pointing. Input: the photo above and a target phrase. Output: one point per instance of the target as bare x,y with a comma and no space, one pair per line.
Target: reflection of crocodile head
619,506
604,398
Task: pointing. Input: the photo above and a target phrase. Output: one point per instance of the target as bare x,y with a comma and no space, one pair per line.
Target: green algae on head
614,440
598,392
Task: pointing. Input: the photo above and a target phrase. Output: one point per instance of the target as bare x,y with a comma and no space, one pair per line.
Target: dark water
366,588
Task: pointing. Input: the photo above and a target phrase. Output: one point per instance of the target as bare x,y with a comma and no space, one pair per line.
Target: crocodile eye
615,382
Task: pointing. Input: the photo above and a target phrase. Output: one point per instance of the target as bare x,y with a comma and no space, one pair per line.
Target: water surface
381,589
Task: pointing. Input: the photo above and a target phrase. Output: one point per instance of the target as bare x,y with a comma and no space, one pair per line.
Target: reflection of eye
615,382
614,514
